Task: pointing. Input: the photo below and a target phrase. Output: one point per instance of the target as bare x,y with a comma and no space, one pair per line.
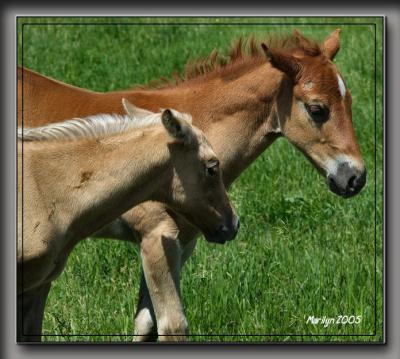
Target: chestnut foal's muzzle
347,181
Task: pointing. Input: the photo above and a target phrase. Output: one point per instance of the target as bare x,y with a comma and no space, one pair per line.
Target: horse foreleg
31,306
161,261
145,320
159,310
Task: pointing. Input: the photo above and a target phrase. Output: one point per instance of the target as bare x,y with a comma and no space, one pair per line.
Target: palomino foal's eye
318,113
212,168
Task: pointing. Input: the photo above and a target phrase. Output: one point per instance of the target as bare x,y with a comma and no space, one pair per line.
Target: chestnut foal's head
315,112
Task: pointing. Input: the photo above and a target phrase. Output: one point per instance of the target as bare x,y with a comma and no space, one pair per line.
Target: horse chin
221,236
215,239
342,192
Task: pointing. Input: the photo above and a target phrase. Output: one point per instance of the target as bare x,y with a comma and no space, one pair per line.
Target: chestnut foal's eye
212,168
318,113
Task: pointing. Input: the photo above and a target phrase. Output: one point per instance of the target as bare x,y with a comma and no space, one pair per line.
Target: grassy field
301,250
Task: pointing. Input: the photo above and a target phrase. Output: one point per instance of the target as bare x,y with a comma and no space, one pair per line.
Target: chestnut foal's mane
243,55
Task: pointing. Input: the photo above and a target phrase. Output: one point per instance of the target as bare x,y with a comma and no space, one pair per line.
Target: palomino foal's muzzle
225,233
347,181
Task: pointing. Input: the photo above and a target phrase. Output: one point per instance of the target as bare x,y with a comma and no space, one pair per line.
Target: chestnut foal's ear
331,45
303,42
284,62
178,127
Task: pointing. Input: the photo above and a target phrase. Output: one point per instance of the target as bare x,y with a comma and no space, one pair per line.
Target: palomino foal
77,176
290,88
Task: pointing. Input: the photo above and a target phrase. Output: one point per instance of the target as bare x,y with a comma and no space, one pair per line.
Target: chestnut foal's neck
239,117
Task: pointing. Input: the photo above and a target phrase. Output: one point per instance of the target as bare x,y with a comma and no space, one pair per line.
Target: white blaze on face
342,87
308,86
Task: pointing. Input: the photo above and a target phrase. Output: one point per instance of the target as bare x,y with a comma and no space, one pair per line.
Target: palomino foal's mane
93,127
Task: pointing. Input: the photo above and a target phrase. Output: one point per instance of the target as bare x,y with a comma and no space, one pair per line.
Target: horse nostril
332,183
224,229
235,223
352,184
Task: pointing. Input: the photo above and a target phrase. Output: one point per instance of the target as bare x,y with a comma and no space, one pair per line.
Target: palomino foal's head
197,189
315,111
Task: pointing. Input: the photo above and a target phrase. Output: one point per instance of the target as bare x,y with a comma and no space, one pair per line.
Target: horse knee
173,328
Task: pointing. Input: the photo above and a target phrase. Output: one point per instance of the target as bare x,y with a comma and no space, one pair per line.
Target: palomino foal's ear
331,45
134,112
179,129
284,62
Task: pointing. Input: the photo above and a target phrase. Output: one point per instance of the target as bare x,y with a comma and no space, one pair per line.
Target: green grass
301,250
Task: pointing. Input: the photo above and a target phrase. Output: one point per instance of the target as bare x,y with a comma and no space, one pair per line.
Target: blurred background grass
301,250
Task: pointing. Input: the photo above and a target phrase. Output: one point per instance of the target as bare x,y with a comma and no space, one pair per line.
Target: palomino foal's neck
104,177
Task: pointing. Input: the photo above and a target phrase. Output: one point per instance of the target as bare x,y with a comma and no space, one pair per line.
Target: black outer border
375,164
